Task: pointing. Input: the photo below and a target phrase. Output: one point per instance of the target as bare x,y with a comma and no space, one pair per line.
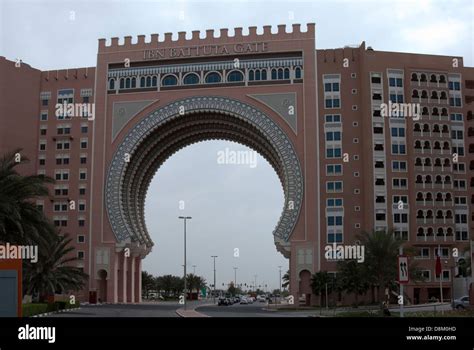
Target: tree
165,283
148,282
352,277
195,283
52,273
381,252
21,221
286,279
319,282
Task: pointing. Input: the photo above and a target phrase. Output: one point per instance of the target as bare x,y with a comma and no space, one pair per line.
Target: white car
244,301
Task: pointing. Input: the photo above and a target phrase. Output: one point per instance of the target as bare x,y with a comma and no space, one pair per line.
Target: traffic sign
403,276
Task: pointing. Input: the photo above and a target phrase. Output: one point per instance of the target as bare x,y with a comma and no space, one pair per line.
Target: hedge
41,308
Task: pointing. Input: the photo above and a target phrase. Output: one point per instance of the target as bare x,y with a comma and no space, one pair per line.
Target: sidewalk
191,312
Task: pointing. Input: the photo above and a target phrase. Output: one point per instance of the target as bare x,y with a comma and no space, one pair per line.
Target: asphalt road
251,310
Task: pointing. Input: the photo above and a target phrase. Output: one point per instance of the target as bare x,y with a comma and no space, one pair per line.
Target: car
244,301
461,303
223,301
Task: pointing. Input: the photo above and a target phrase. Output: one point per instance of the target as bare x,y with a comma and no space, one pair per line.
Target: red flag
438,266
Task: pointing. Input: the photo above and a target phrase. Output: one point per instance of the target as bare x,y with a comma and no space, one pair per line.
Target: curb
180,312
54,312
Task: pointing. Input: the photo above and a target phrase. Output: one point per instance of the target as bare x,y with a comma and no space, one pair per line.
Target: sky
233,206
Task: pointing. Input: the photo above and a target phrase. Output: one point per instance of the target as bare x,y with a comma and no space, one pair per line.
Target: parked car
223,301
244,301
461,303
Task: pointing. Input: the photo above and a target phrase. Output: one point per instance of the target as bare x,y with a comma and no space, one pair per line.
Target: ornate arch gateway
166,130
154,98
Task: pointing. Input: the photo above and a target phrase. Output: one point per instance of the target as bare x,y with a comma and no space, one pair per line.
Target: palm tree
319,282
53,272
352,277
286,279
21,221
148,282
165,283
381,252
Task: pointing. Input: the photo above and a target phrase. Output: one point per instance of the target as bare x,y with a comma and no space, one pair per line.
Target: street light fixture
185,287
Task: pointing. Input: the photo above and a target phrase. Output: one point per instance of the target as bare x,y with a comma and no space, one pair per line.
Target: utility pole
214,294
185,287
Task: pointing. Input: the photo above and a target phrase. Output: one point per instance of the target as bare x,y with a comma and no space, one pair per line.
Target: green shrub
32,309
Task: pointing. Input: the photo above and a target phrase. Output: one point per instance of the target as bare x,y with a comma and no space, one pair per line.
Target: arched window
415,94
235,76
426,128
251,75
212,78
417,127
420,232
423,78
444,112
264,74
142,82
443,95
437,145
419,179
169,80
419,214
425,111
286,73
134,82
428,179
111,84
154,81
297,73
434,95
429,196
417,144
274,74
191,79
280,73
435,111
148,81
122,83
127,83
442,79
424,94
433,78
257,75
429,214
414,77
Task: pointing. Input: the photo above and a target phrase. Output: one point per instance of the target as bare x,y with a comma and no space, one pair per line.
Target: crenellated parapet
167,40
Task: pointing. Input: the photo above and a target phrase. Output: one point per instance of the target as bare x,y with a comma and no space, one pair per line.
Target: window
399,165
333,136
459,184
82,206
397,199
298,74
83,159
425,275
334,236
396,97
457,134
334,202
82,222
395,82
456,117
82,174
84,129
460,218
42,145
398,132
461,235
44,116
454,85
44,102
399,182
82,190
332,103
424,253
334,169
333,152
328,87
459,150
169,80
191,79
398,148
83,143
335,220
334,186
80,255
400,218
333,118
443,251
213,78
235,76
81,239
460,200
42,161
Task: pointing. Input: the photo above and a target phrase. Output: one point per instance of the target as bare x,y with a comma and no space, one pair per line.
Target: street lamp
214,294
235,276
185,289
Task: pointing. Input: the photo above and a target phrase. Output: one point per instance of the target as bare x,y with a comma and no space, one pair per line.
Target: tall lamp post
214,294
185,286
235,276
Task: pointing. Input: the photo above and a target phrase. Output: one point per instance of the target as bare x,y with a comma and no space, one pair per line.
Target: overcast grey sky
232,206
